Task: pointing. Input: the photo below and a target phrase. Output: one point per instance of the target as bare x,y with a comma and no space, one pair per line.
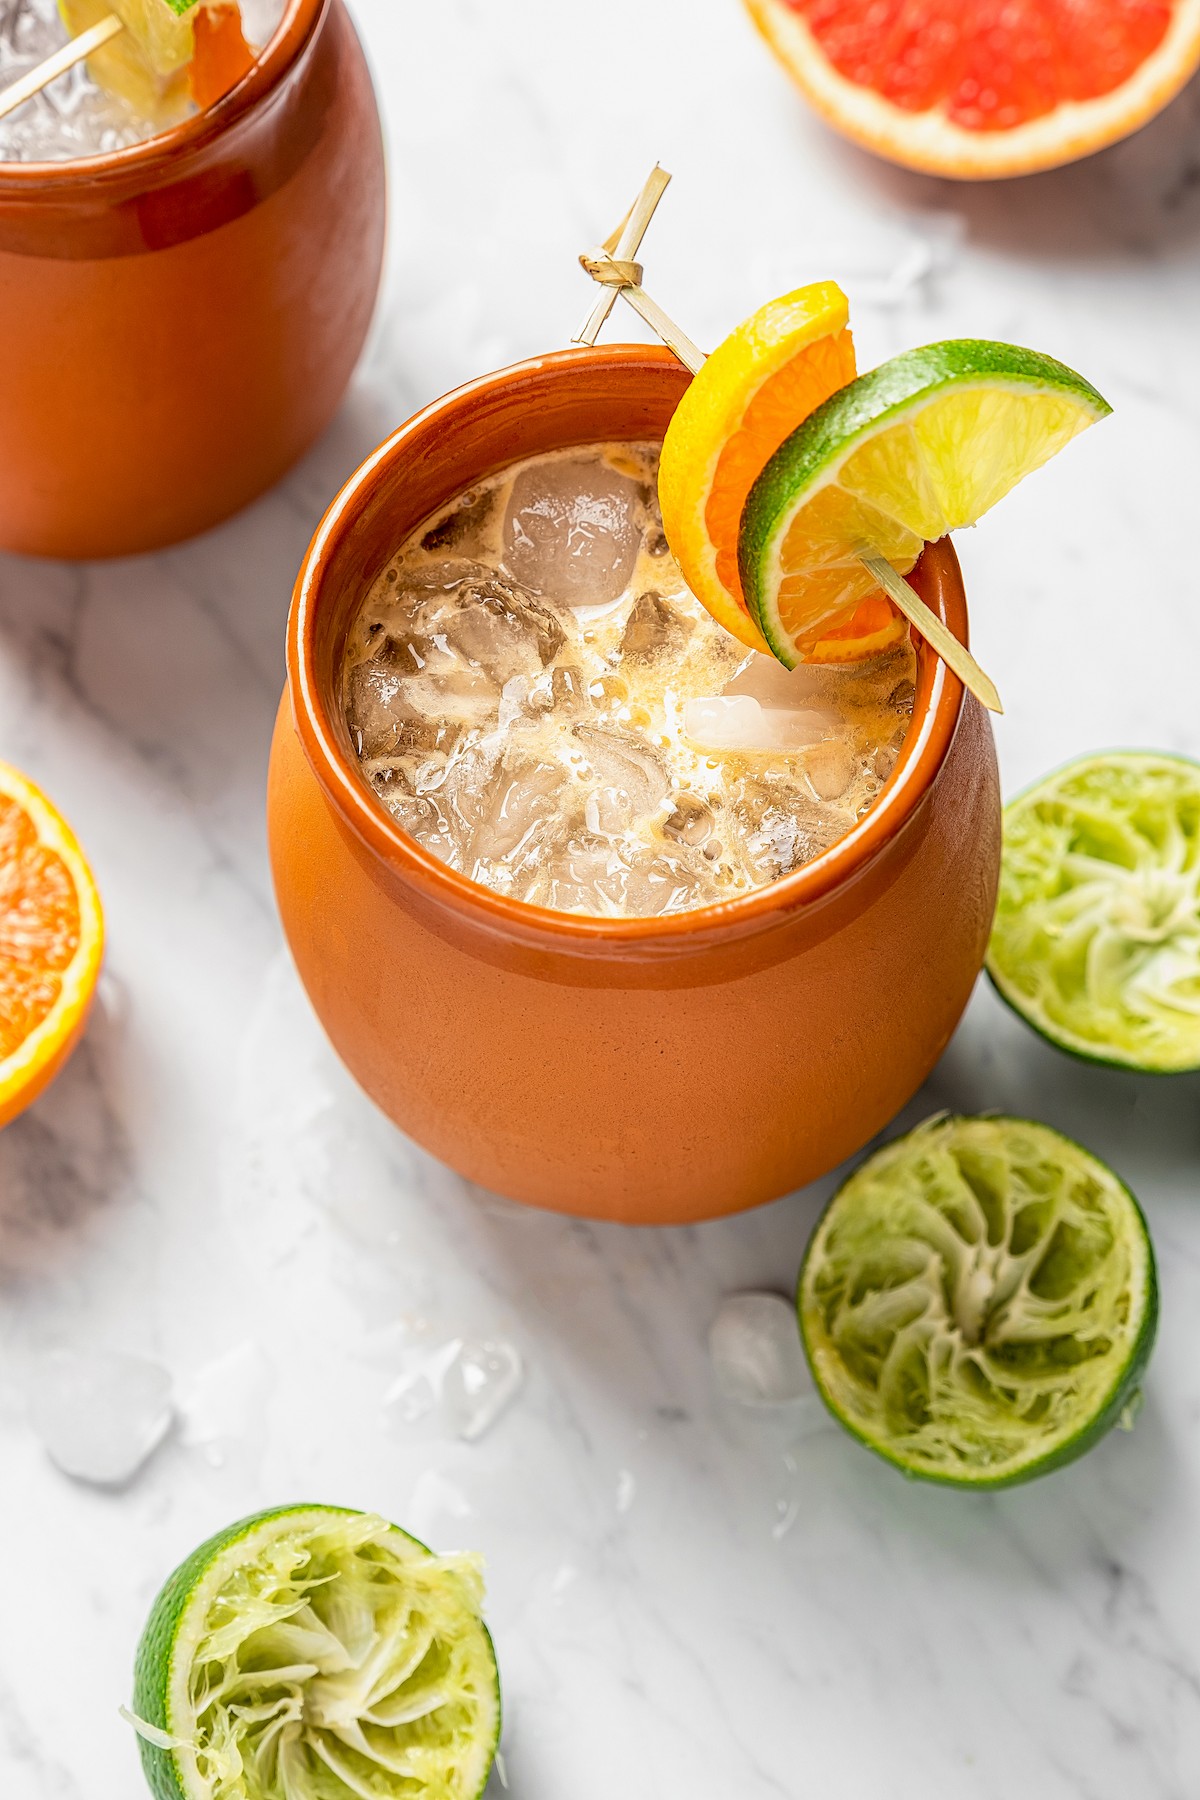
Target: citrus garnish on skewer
978,1302
312,1652
1096,942
850,634
749,395
51,939
921,446
154,54
980,89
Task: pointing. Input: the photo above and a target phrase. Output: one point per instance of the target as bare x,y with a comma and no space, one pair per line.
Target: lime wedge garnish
317,1654
918,447
978,1301
1097,935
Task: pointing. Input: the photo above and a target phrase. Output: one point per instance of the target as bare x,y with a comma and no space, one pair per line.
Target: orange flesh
39,926
988,65
773,414
222,55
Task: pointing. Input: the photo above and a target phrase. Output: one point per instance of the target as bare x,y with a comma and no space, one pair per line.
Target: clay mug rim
936,711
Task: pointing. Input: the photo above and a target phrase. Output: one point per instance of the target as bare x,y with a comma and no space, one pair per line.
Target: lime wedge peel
314,1653
1096,942
920,446
979,1301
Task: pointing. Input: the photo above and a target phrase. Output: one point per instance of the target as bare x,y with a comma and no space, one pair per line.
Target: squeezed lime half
1096,941
313,1653
979,1301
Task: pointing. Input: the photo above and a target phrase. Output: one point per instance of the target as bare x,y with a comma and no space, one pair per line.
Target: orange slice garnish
51,939
752,392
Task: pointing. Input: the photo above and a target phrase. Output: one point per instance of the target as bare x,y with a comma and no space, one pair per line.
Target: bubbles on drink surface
538,699
74,117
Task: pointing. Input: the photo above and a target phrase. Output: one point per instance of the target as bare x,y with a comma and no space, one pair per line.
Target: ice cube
754,1346
466,610
668,883
830,769
587,875
691,822
390,713
481,1383
654,629
415,1397
464,528
766,680
101,1415
512,815
739,722
571,531
225,1402
627,764
455,1388
779,823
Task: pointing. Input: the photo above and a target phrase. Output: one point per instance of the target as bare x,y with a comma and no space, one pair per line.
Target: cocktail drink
188,265
540,702
117,97
553,987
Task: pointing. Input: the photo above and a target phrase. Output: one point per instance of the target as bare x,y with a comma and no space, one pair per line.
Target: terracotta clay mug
655,1070
180,319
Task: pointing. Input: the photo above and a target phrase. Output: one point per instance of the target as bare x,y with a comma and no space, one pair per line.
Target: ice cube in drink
537,698
76,115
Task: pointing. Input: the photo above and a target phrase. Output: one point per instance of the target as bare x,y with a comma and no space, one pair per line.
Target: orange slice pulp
780,364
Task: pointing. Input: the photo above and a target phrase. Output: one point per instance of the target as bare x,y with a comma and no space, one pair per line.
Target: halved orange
983,88
752,392
51,940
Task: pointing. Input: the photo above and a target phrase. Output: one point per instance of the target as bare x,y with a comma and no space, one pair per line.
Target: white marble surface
684,1603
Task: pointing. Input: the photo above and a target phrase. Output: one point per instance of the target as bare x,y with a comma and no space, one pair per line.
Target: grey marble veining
685,1601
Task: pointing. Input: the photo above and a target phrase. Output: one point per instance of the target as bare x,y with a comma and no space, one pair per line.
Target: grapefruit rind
29,1069
979,1302
919,447
196,1614
932,143
1096,941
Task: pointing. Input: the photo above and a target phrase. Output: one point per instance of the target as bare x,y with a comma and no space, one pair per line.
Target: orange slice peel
51,942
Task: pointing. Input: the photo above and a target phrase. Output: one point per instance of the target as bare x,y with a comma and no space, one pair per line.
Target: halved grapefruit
984,88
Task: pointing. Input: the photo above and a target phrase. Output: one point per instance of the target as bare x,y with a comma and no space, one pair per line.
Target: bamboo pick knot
611,271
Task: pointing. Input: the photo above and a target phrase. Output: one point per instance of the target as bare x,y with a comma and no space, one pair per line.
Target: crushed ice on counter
225,1402
457,1387
99,1416
757,1359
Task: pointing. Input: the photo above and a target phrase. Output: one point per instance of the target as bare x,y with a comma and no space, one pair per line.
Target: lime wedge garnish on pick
1097,935
918,447
979,1301
317,1654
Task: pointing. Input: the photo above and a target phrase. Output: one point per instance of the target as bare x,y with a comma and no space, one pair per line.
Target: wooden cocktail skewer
31,83
612,265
